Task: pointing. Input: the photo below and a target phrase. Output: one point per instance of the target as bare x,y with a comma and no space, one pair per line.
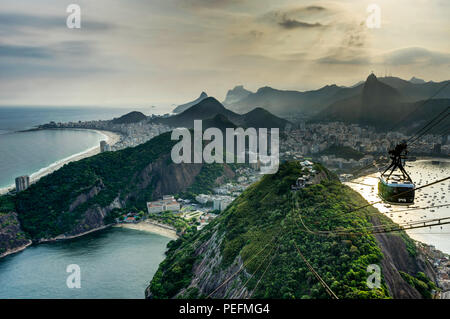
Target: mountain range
209,108
386,106
381,102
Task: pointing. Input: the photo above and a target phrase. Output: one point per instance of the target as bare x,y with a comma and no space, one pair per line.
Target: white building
22,183
168,203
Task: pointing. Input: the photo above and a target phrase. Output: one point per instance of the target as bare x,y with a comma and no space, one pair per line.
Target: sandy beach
148,226
110,137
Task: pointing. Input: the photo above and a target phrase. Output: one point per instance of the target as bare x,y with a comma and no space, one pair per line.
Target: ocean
113,263
25,153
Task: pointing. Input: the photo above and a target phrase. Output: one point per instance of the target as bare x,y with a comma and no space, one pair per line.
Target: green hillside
261,224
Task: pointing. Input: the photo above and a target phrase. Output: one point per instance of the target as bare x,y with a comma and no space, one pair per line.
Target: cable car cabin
397,192
396,188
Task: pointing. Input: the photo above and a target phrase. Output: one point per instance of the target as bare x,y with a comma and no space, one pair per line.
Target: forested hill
84,195
259,233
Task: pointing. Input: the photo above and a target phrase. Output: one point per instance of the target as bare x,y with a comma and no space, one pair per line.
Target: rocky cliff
12,238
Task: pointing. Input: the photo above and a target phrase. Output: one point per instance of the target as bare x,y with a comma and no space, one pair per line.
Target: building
167,203
221,203
22,183
104,147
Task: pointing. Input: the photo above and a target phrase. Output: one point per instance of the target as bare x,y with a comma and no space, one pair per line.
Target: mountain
132,117
85,195
260,117
210,108
184,107
382,106
413,91
310,103
287,103
235,95
259,234
219,121
416,80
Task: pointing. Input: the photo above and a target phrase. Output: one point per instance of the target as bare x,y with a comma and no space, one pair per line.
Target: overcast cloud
140,53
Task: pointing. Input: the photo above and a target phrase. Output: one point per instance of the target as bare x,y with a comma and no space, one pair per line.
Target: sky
166,52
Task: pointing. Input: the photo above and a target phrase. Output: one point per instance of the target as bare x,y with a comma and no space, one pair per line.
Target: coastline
110,137
152,227
64,237
16,250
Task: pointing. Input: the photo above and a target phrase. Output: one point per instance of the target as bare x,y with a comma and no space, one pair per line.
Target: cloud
298,17
416,56
294,24
18,21
345,60
18,51
315,8
65,48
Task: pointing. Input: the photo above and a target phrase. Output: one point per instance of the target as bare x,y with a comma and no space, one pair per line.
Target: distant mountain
287,103
260,117
132,117
382,106
416,80
209,108
377,94
235,95
184,107
219,121
413,91
309,103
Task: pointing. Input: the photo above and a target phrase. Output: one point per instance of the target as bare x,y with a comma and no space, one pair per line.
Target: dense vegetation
342,152
6,204
204,181
263,219
132,117
421,282
44,207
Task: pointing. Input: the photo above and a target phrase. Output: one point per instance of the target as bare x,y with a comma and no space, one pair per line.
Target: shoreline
110,137
16,250
64,237
150,227
146,226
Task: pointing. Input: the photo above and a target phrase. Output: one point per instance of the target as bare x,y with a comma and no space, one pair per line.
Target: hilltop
132,117
236,94
183,107
209,108
260,228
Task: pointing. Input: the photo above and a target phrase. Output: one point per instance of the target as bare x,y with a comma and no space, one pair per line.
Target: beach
110,137
152,227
